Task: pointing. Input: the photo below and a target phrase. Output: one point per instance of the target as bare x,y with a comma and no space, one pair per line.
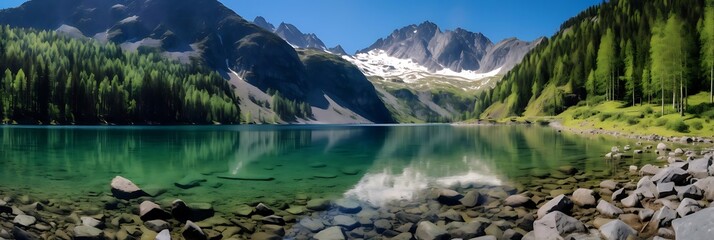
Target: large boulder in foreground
698,225
556,225
560,203
123,188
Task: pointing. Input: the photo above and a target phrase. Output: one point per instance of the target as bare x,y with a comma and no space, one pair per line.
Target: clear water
373,163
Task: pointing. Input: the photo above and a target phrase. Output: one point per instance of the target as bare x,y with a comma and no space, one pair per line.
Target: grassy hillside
634,51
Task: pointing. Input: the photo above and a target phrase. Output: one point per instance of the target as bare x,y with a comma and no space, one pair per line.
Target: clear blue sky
356,24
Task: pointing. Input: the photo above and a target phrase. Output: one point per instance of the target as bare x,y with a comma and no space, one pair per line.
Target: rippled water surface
275,163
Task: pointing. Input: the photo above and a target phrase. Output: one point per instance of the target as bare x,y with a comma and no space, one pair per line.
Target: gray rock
331,233
645,214
633,200
619,195
318,204
403,236
665,190
191,231
607,209
555,225
263,210
87,233
487,237
695,226
163,235
699,168
585,197
264,236
511,234
151,211
617,230
157,225
180,211
646,188
382,225
560,203
190,181
449,197
706,185
123,188
471,199
469,230
661,147
608,184
519,200
346,222
688,206
348,206
689,191
664,216
24,220
428,231
671,174
273,219
314,225
406,217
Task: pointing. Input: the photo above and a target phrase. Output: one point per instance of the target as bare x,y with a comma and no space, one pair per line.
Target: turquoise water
373,163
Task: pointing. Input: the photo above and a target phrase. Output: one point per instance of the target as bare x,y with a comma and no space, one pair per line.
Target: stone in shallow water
90,221
346,222
24,220
348,206
350,171
152,211
519,201
296,210
265,236
314,225
560,203
448,197
695,226
318,204
191,231
123,188
617,230
157,225
331,233
191,180
471,199
318,165
428,231
263,210
163,235
87,233
246,177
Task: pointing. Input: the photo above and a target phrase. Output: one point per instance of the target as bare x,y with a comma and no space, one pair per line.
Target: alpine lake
376,166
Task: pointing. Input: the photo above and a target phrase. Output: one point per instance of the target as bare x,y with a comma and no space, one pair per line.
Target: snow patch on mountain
379,63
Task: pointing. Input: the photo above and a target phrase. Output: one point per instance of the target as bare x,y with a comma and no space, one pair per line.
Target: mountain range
411,73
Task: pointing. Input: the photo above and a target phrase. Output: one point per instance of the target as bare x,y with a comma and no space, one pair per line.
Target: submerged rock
152,211
24,220
448,197
191,180
471,199
191,231
331,233
163,235
87,233
318,204
314,225
348,206
428,231
123,188
519,201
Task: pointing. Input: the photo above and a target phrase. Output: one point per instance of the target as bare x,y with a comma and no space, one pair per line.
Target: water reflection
373,163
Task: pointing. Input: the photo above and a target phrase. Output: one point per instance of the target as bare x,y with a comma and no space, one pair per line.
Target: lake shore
568,196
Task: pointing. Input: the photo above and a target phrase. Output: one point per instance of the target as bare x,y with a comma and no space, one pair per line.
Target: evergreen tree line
50,78
638,51
287,109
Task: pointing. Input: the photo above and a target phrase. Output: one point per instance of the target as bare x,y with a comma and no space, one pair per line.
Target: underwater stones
471,199
556,224
87,233
247,177
152,211
346,222
569,170
407,217
157,225
348,206
265,236
695,226
617,230
123,188
448,197
24,220
331,233
90,221
273,219
191,231
607,209
382,225
350,171
318,204
180,211
318,165
429,231
296,210
313,225
263,210
324,175
191,180
585,197
560,203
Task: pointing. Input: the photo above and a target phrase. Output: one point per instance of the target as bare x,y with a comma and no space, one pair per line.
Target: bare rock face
695,226
123,188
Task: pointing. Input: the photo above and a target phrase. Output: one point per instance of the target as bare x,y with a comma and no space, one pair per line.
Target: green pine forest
52,79
632,51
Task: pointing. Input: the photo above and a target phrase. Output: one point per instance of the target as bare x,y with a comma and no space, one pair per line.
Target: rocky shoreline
637,202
